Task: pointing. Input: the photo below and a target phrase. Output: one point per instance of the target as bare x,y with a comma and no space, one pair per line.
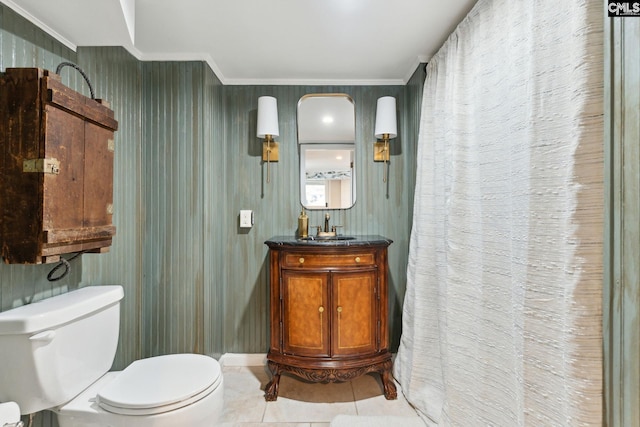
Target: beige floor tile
287,410
292,387
243,394
303,401
367,386
370,400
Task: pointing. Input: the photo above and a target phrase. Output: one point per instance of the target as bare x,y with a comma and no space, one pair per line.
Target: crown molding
38,23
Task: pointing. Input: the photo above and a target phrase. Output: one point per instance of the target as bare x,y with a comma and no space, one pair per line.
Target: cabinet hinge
281,333
378,333
50,166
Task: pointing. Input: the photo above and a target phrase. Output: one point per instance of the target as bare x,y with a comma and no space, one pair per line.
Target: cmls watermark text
623,8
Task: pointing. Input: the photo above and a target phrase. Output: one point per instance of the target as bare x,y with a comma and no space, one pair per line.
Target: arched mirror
326,134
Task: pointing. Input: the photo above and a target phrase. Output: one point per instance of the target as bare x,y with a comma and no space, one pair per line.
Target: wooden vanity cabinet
329,312
56,169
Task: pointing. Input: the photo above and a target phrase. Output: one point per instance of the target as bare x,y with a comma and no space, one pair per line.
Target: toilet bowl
56,353
173,390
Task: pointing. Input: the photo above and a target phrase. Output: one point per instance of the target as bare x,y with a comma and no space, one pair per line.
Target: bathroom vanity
329,319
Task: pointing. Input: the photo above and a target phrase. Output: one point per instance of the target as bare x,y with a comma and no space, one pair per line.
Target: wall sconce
386,128
267,129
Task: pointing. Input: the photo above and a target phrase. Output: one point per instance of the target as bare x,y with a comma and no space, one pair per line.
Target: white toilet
55,354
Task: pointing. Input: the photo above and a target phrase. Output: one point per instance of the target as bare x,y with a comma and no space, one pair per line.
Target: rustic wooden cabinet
56,169
329,311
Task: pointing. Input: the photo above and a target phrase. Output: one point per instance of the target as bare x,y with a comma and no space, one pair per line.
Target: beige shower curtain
502,315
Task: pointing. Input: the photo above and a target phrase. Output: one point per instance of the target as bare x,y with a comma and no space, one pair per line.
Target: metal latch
50,166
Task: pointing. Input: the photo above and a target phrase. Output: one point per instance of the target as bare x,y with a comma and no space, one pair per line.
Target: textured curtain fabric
502,320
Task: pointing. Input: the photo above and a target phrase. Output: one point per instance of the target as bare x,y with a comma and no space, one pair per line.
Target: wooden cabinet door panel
99,159
305,314
355,312
63,192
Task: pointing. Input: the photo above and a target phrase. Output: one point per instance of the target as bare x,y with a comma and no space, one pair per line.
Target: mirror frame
323,143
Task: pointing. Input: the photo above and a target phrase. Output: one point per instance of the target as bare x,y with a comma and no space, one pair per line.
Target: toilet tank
53,349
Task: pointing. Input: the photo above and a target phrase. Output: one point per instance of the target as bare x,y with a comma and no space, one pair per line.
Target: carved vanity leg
390,392
271,390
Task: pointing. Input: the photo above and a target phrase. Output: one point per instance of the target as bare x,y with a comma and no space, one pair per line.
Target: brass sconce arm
270,153
381,153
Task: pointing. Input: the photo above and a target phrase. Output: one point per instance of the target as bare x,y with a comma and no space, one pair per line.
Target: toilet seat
161,384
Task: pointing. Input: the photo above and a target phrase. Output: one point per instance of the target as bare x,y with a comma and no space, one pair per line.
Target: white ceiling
262,41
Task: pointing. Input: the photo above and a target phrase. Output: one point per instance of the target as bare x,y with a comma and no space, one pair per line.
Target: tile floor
301,403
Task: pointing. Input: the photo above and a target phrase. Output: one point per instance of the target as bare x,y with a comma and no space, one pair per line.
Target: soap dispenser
303,225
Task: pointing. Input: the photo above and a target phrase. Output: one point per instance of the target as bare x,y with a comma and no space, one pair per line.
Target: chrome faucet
326,222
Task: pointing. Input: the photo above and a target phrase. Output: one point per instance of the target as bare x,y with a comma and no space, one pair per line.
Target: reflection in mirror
327,175
326,134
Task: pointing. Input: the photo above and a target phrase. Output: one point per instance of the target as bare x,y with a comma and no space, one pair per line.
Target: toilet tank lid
58,310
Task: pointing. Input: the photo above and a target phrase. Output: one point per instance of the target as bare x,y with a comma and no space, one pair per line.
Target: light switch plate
246,218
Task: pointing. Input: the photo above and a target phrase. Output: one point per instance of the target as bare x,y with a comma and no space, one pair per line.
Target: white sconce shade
267,117
386,117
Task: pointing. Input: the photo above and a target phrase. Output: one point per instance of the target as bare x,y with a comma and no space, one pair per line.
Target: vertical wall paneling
173,185
116,77
412,110
24,45
215,232
622,277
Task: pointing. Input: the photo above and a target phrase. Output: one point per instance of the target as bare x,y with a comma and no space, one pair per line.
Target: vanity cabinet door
355,325
305,313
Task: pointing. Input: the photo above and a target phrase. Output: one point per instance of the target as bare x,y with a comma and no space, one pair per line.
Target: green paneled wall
173,204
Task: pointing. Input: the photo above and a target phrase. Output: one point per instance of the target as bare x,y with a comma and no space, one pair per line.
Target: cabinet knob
357,259
321,309
339,309
301,260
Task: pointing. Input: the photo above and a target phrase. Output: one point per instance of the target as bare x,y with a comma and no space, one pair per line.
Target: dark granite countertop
355,240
